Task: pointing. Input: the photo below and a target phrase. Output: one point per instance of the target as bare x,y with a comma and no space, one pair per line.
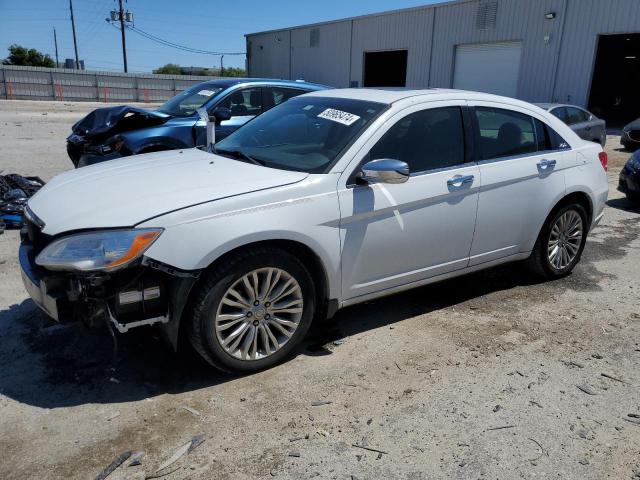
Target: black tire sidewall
546,232
205,312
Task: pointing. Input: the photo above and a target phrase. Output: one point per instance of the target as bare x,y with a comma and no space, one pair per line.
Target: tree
30,57
169,69
234,72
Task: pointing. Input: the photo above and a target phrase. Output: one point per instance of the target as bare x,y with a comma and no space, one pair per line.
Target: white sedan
331,199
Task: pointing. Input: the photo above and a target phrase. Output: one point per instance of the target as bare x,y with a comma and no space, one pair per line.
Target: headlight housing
106,250
113,144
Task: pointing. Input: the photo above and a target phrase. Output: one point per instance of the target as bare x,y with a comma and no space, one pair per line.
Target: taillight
604,160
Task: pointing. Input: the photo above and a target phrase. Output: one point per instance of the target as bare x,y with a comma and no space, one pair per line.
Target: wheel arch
303,252
579,196
310,258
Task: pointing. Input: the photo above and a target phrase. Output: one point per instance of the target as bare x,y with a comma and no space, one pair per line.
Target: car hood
633,125
105,120
128,191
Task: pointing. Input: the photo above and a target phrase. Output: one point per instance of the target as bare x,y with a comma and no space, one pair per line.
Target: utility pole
222,65
55,41
73,27
124,42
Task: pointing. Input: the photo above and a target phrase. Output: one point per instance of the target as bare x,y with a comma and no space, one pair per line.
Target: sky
212,25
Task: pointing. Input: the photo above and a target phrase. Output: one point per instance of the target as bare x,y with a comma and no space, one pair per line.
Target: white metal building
585,52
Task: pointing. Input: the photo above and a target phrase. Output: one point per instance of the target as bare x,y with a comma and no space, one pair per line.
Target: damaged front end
143,292
97,134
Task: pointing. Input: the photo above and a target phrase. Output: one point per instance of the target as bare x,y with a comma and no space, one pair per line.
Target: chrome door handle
460,180
545,164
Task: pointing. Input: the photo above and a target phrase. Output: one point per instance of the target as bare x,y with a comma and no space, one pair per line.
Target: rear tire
560,243
252,310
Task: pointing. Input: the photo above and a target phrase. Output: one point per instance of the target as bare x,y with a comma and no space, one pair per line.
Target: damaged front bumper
148,293
82,153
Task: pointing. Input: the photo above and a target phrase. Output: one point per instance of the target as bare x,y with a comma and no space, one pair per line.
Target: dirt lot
473,378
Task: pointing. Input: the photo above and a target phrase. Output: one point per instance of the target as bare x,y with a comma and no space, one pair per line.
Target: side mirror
385,170
219,114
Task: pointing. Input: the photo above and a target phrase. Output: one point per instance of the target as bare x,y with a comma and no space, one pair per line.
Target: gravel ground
476,377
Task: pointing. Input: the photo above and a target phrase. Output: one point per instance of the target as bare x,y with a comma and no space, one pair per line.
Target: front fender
304,212
170,136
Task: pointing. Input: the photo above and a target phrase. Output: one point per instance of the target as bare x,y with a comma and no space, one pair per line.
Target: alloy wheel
565,239
259,313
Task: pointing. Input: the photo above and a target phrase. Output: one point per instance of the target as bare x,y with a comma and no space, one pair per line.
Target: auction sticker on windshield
206,93
339,116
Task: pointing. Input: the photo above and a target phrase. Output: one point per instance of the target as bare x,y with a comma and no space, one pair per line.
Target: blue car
114,132
629,182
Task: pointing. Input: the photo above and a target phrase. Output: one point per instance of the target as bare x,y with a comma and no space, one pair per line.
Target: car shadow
48,365
623,204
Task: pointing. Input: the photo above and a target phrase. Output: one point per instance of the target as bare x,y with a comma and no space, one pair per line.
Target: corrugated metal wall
36,83
269,55
310,63
586,20
407,30
517,20
557,58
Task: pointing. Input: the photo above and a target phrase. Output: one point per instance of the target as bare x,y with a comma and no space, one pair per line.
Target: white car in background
328,200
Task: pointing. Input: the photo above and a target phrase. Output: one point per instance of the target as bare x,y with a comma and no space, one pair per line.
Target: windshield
186,103
305,134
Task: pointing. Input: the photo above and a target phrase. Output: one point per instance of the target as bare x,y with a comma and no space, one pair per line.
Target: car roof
393,95
551,106
231,81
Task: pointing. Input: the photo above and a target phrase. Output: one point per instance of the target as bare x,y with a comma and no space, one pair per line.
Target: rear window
504,133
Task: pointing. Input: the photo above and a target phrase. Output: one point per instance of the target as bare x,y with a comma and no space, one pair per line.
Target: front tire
561,242
252,310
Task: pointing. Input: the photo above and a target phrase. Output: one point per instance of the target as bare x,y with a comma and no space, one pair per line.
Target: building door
488,67
385,69
615,95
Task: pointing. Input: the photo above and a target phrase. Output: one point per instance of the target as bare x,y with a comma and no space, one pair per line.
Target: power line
167,43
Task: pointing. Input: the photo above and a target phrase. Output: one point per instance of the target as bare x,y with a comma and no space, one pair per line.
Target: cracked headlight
97,251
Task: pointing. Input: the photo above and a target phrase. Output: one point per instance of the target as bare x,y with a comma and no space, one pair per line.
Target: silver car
584,123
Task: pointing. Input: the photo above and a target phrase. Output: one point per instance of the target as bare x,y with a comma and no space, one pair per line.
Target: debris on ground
123,457
192,411
113,416
15,191
499,428
611,377
318,403
586,389
381,452
632,418
136,459
188,447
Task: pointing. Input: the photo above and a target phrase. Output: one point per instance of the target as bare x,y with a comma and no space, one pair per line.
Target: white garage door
490,67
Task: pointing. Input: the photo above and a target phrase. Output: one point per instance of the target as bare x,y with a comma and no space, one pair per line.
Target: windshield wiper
240,155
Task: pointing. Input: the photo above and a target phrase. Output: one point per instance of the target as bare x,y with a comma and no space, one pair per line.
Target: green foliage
30,57
234,72
175,69
169,69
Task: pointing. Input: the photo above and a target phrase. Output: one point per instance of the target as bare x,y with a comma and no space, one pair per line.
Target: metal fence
39,83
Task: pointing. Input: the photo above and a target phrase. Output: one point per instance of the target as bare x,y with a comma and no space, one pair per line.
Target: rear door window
548,139
504,133
425,140
245,102
576,115
561,113
277,95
